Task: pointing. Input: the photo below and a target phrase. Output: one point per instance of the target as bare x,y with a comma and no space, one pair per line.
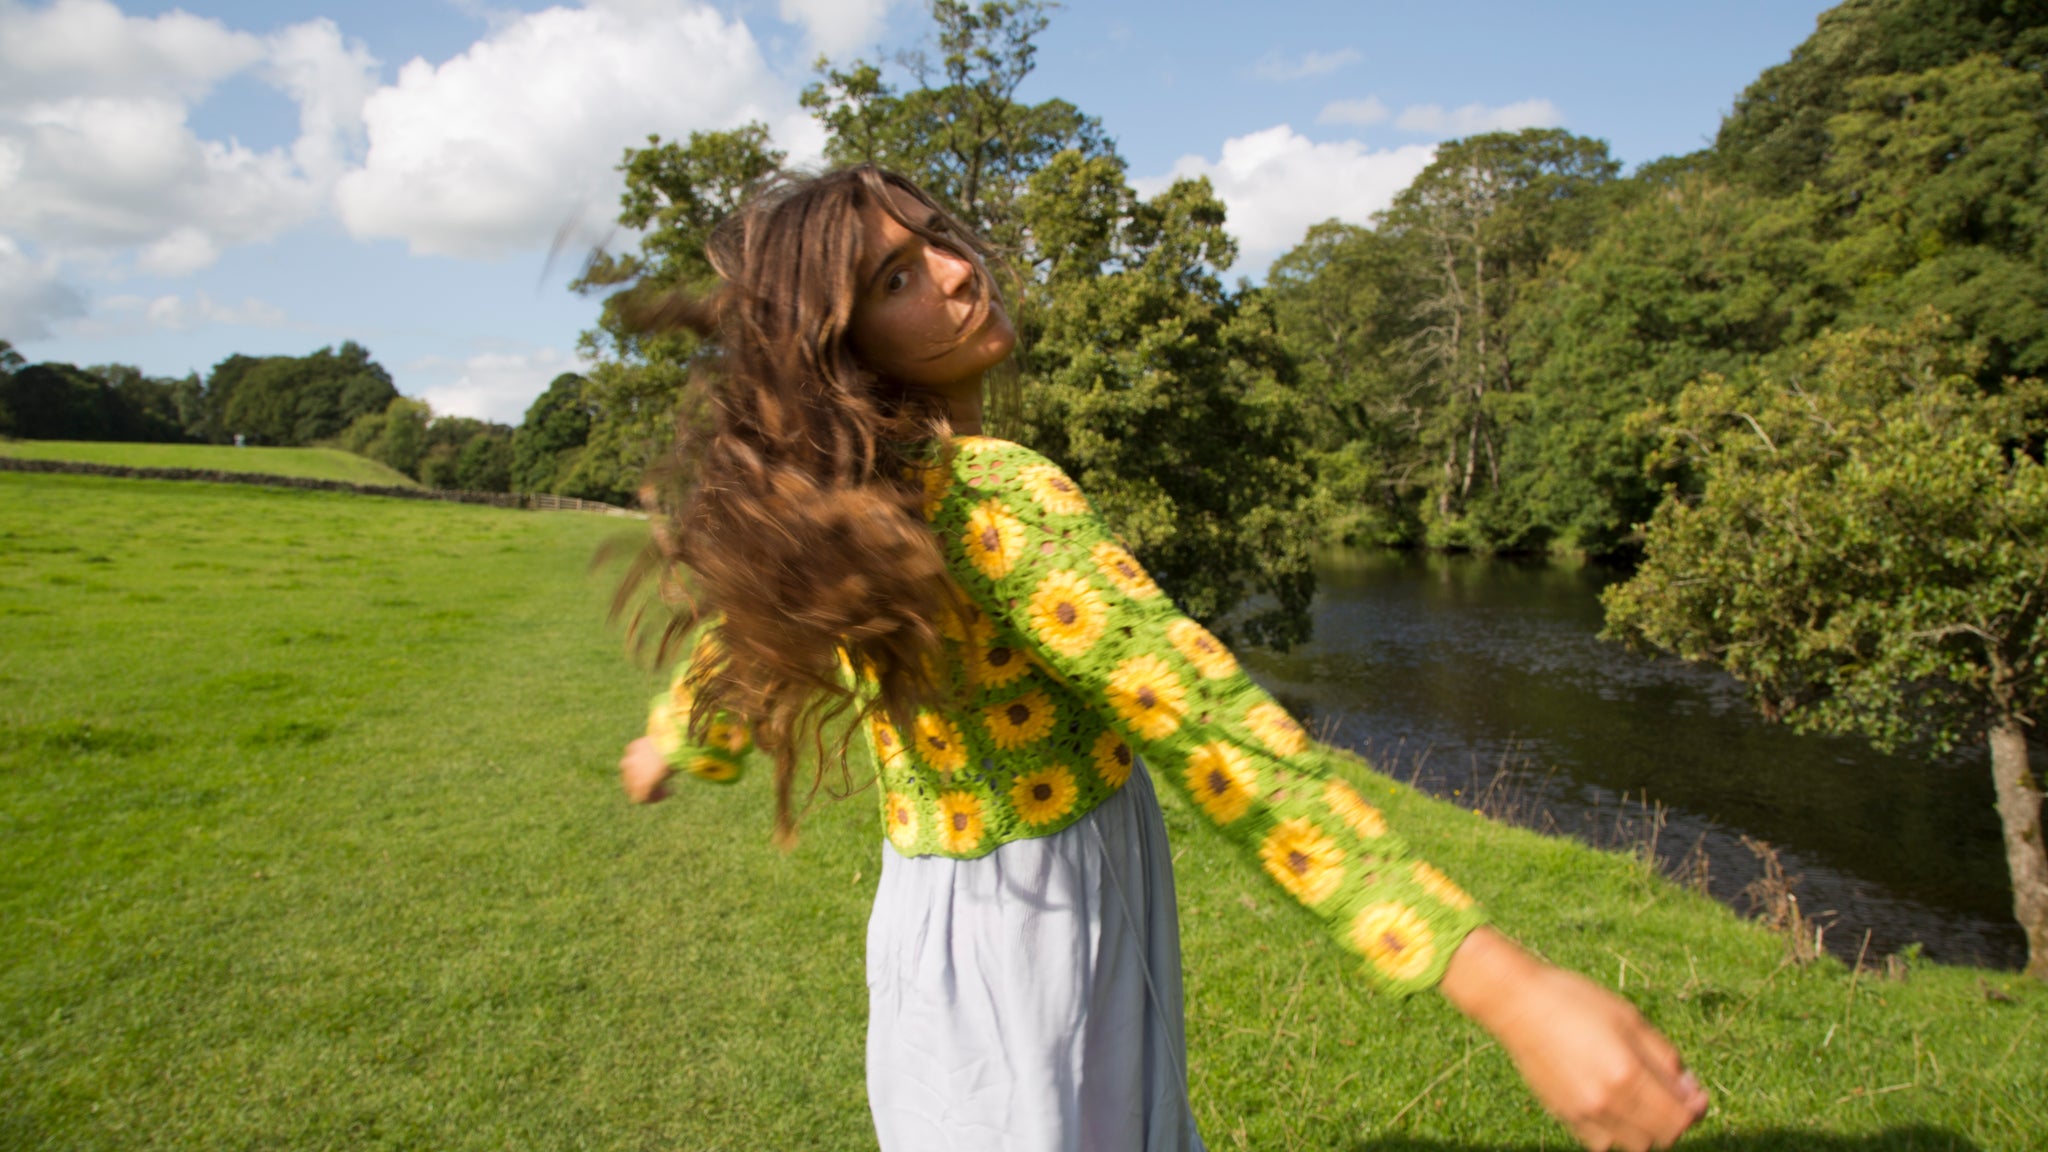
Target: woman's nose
950,271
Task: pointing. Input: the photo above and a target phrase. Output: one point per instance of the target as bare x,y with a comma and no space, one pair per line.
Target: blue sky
182,182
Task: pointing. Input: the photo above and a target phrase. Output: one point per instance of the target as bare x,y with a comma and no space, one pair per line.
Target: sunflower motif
1053,491
1147,694
1112,759
1275,728
989,664
994,539
1440,886
1067,613
1122,569
960,824
939,742
727,736
937,480
1044,795
1364,819
1204,651
888,743
681,695
713,768
1396,940
1222,780
899,816
1304,861
1022,721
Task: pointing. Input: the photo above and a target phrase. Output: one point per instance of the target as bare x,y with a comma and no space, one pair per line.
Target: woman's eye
897,281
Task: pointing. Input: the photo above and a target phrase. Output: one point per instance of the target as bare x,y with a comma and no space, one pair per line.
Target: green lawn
313,463
310,838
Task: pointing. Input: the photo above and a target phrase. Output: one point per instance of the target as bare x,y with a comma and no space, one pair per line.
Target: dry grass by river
309,838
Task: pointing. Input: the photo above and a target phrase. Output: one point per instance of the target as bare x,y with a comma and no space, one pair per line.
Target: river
1463,672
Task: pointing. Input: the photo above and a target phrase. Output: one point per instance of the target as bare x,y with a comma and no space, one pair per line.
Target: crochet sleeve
1028,548
718,755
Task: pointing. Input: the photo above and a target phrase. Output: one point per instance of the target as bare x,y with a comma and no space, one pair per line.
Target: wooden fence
535,500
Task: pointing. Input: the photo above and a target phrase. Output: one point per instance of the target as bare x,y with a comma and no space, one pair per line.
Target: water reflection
1465,664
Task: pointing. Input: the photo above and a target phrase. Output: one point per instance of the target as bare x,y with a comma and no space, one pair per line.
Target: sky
183,182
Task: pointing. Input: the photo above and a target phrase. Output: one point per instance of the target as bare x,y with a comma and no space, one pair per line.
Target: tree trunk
2019,809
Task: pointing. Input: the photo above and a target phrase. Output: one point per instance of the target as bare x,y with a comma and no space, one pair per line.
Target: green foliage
117,402
1693,276
295,400
439,451
395,437
1777,139
1937,195
1870,548
961,134
545,445
1169,399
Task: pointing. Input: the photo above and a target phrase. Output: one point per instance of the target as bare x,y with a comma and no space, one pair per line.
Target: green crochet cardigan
1071,661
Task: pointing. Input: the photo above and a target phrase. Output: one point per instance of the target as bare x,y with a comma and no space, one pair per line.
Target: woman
835,510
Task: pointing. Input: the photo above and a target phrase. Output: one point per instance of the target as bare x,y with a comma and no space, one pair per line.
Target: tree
1691,276
556,427
1936,193
1869,554
396,437
961,134
1777,138
296,400
1168,398
1479,223
52,401
675,195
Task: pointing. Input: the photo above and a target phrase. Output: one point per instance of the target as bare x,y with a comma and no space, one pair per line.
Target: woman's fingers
644,772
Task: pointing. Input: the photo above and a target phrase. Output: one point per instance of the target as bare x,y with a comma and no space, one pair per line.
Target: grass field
312,463
310,838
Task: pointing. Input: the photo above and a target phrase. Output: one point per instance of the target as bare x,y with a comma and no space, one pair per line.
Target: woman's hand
1587,1054
644,772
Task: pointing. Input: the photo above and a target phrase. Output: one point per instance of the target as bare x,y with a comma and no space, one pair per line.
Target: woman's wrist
1485,975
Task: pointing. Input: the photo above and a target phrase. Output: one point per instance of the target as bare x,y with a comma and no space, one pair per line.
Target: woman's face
913,313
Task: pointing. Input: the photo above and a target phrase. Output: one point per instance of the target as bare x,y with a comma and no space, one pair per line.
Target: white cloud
126,314
1435,120
181,253
96,154
1366,111
1276,67
1277,182
31,295
837,26
79,48
496,386
503,146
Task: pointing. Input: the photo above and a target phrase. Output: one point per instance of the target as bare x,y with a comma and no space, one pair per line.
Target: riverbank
1476,677
312,839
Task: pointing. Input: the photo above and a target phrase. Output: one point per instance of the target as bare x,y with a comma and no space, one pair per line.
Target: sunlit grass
312,463
310,838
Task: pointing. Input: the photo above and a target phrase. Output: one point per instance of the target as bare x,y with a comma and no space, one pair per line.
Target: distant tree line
332,397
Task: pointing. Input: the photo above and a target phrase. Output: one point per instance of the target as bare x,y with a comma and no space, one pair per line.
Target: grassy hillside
310,838
314,463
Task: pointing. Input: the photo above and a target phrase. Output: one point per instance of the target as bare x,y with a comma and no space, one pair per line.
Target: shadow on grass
1913,1138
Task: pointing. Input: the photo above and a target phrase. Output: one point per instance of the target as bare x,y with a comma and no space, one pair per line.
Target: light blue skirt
1030,1000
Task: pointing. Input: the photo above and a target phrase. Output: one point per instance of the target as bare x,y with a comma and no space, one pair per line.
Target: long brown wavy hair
787,516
